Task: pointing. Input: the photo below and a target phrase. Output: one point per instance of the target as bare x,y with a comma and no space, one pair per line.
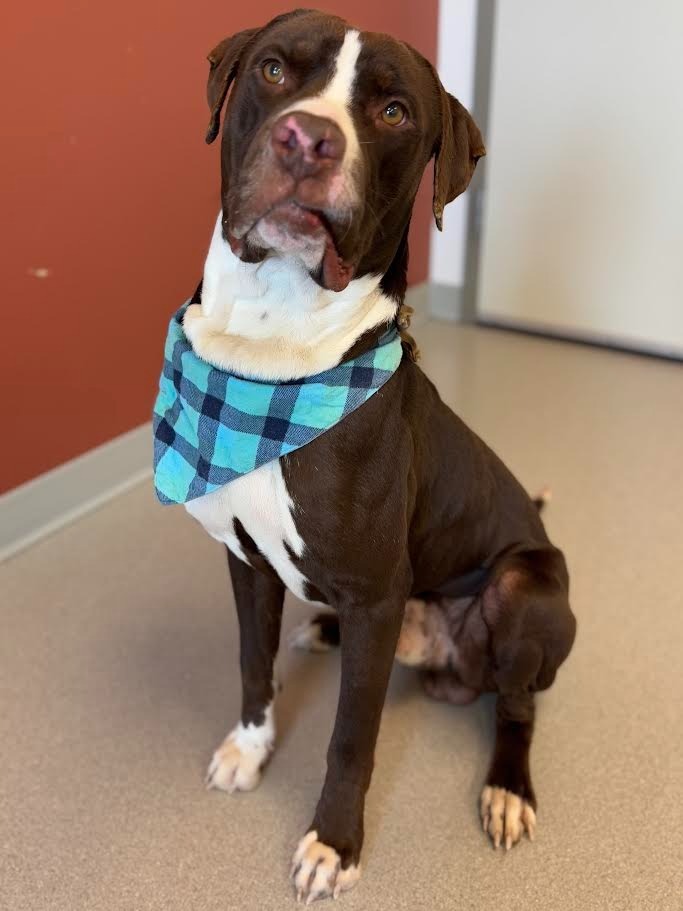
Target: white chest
261,502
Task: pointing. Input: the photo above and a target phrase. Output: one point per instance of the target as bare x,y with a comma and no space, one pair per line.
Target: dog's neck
271,321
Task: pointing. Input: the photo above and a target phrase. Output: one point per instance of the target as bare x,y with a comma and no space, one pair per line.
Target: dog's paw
308,637
317,871
506,816
237,763
413,646
318,634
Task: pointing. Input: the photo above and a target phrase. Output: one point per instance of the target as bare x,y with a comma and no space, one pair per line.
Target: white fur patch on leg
425,639
307,637
413,645
317,871
506,816
237,763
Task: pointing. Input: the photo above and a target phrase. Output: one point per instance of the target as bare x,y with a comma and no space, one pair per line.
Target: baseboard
446,302
50,501
579,337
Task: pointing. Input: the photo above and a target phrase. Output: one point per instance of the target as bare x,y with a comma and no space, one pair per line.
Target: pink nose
306,145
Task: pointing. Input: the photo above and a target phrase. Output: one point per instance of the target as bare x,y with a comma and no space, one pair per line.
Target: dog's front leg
237,763
327,859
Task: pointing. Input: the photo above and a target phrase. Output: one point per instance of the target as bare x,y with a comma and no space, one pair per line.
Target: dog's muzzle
300,202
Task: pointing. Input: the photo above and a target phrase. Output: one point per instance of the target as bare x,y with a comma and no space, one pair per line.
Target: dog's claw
317,872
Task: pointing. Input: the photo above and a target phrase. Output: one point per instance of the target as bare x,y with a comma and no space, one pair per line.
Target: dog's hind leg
531,631
446,686
507,802
423,639
237,763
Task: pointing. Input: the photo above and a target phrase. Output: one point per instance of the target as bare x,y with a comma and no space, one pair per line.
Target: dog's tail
545,496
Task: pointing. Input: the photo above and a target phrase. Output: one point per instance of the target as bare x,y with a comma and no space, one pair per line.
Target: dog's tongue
336,273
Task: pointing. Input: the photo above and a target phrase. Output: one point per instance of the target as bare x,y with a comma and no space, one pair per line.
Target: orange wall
108,185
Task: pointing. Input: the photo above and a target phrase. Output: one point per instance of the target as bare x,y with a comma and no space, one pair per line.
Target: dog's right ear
224,61
458,150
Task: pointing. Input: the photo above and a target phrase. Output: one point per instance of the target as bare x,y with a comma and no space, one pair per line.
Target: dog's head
326,135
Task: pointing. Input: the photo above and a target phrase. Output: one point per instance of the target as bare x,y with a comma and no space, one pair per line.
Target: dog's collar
212,426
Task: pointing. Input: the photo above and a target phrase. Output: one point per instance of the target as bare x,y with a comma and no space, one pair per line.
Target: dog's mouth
298,220
291,228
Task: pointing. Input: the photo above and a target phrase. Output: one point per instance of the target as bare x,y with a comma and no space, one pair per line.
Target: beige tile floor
118,676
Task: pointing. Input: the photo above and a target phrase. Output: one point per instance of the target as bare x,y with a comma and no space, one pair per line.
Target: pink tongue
336,273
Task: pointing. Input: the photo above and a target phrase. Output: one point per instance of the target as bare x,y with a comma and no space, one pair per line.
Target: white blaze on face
340,88
334,102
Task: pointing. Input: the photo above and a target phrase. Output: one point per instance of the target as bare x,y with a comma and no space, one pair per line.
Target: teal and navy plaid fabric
211,426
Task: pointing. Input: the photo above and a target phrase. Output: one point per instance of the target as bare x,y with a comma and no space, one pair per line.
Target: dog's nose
306,145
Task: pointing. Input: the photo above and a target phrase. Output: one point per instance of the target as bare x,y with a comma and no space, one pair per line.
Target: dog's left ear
457,151
224,62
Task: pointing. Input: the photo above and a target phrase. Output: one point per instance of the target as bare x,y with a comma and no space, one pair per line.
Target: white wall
456,52
583,215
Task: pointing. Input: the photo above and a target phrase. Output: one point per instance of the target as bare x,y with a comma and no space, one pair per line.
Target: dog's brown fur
400,499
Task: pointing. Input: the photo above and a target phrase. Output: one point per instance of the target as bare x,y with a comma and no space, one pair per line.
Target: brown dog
327,133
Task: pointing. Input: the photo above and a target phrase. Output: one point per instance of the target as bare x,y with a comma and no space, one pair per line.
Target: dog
409,530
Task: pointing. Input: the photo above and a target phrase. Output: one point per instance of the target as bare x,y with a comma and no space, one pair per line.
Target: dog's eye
273,72
394,114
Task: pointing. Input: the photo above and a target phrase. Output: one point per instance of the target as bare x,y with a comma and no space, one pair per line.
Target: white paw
317,871
307,637
237,763
507,816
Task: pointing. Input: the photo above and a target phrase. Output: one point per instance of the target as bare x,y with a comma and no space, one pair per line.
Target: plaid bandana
211,426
